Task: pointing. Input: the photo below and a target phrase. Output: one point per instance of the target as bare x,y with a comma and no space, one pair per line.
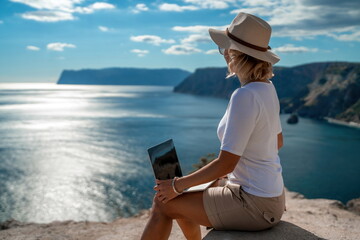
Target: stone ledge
282,231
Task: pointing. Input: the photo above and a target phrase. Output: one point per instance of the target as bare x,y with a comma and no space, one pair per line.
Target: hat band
238,40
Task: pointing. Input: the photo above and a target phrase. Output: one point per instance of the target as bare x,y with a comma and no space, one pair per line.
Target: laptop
166,165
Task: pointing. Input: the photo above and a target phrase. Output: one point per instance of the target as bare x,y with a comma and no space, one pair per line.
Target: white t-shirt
249,129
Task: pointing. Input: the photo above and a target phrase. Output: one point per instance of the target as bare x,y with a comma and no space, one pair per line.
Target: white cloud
93,7
32,48
50,4
48,16
197,5
197,28
59,10
58,46
354,36
212,51
196,38
301,19
103,29
181,50
169,7
258,11
101,5
266,3
139,52
290,48
1,22
210,4
151,39
140,7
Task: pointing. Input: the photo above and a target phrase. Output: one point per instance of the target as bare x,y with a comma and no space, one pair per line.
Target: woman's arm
224,164
280,140
219,167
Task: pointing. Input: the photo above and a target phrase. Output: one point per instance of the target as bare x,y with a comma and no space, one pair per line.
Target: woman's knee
159,207
166,209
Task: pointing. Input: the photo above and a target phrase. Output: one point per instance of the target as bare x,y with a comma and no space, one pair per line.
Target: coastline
342,123
304,219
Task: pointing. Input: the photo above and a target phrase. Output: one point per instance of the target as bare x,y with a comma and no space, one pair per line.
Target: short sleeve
243,113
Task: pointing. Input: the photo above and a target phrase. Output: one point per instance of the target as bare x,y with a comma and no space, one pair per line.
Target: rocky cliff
123,76
305,219
316,90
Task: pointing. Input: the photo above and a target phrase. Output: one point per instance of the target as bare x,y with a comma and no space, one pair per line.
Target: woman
250,134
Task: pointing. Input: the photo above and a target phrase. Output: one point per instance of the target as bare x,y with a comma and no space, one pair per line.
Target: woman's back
249,129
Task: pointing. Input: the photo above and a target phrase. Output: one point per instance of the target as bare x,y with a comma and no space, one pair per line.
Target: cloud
58,46
59,10
258,11
290,48
354,36
196,5
210,4
197,28
50,4
104,29
32,48
139,52
308,18
169,7
1,22
151,39
181,50
196,38
212,51
93,7
48,16
140,7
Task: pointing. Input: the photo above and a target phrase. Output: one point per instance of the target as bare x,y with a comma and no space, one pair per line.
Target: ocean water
79,152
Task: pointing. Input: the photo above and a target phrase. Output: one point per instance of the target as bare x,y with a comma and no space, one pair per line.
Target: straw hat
248,34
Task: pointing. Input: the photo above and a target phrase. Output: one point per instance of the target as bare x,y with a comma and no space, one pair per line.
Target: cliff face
317,90
123,76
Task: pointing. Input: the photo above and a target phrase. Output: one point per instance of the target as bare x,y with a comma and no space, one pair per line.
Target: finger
161,198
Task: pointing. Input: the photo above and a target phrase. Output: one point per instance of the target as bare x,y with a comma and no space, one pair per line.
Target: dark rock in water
293,119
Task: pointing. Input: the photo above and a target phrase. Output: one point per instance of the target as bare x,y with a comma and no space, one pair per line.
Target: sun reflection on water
68,173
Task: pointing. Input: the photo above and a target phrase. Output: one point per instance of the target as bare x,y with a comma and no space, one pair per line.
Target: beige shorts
229,207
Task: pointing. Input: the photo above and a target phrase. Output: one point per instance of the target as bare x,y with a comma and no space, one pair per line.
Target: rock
305,219
123,76
354,205
293,119
11,223
315,90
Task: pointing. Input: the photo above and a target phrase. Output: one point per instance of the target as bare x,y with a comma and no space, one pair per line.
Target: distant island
328,90
124,76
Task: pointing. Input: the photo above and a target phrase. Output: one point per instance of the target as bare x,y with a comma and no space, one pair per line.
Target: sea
80,152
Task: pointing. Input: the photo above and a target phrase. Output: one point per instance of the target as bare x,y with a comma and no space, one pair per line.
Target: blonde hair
249,68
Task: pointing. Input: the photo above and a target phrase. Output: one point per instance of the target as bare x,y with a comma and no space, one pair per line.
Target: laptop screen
164,160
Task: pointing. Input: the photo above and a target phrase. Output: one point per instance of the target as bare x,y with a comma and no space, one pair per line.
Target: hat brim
223,41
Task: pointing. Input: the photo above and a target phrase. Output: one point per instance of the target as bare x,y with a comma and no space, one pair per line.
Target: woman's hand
164,190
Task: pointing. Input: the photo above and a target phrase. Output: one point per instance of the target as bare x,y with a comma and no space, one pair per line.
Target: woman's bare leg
190,229
187,206
159,225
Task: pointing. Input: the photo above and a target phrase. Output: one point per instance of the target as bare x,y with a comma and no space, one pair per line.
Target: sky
41,38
